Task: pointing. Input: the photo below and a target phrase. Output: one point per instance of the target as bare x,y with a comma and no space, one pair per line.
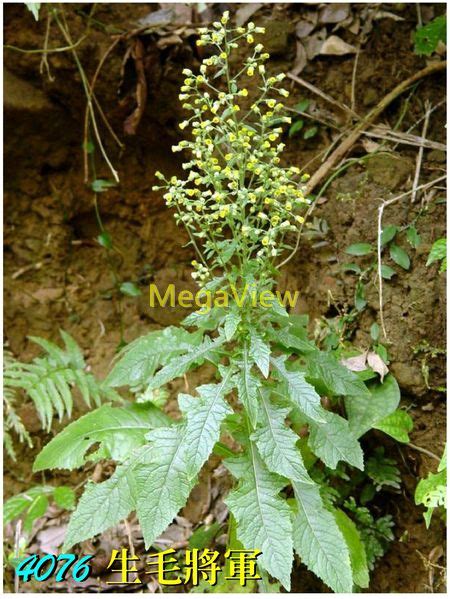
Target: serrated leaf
158,477
427,38
64,497
230,324
396,425
293,338
259,352
359,249
247,385
319,542
36,509
324,369
118,430
387,272
438,252
333,442
276,442
179,365
263,518
365,412
101,506
300,392
388,234
138,360
14,506
399,256
356,548
34,7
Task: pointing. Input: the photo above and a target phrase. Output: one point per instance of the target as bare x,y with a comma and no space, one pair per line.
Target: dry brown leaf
369,145
300,59
335,46
334,13
304,28
246,11
377,364
313,44
355,363
384,14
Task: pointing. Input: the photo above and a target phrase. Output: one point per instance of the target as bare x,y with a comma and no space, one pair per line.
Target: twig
44,60
129,535
87,112
355,66
323,95
379,229
358,129
398,137
420,153
425,451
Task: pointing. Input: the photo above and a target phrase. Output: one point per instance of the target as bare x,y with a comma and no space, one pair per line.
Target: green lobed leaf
318,540
102,505
64,497
247,385
326,371
118,430
179,365
438,252
427,38
364,413
230,324
396,425
15,505
138,360
259,352
333,441
300,392
262,516
356,548
276,442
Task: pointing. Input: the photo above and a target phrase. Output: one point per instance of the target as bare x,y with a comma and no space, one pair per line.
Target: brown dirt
66,284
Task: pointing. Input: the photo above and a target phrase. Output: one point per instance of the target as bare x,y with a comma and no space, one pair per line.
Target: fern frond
48,380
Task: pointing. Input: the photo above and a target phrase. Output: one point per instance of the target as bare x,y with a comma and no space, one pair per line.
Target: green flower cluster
235,183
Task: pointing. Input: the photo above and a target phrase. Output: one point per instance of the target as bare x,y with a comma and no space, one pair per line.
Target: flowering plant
237,203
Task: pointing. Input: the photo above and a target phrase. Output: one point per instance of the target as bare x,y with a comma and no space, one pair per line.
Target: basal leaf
276,442
359,249
118,430
333,441
396,425
364,413
301,393
319,542
102,506
262,516
333,377
356,548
